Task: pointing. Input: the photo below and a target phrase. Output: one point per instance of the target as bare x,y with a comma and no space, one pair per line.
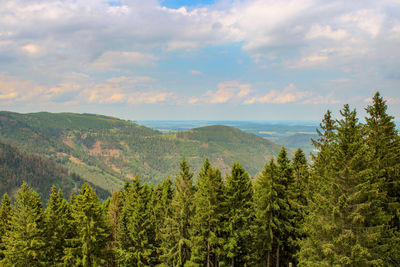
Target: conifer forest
341,207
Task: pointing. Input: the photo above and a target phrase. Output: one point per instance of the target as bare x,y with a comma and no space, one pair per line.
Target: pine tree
334,224
25,241
239,198
88,247
382,183
178,225
301,176
207,222
136,234
300,192
113,215
5,218
267,210
58,221
286,237
162,197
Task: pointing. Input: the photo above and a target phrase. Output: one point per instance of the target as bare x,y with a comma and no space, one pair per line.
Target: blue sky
199,60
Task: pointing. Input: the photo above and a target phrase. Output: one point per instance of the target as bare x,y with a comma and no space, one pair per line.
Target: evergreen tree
58,227
267,210
239,197
207,222
335,223
113,216
289,210
88,247
300,192
137,232
382,183
162,197
301,176
25,241
178,225
5,217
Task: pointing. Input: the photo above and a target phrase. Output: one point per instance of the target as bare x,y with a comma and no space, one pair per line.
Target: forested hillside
107,151
40,173
340,210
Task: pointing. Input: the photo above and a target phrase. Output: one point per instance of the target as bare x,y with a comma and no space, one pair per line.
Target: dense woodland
38,172
342,209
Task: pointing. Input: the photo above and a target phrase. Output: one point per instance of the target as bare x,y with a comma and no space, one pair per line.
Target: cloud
101,36
13,89
289,94
8,95
322,100
196,72
114,90
227,91
318,31
31,49
110,60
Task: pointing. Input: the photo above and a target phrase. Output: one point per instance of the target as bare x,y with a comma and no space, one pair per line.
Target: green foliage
266,209
162,198
207,231
343,210
239,198
136,235
38,172
5,217
106,151
178,225
382,184
88,246
348,214
25,239
277,210
58,230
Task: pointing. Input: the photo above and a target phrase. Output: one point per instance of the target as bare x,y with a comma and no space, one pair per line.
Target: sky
199,60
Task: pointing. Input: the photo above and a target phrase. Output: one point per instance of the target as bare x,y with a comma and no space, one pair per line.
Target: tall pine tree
25,240
88,247
207,222
334,224
239,201
136,234
382,183
58,220
178,225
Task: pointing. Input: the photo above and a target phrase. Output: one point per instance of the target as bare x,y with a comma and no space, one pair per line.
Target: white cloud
227,91
115,90
367,20
289,94
31,49
14,89
322,100
318,31
110,60
76,32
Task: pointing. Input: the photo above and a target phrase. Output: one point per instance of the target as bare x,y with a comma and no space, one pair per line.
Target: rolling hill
38,172
107,151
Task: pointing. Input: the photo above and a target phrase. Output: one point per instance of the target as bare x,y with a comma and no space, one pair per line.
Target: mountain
40,173
107,151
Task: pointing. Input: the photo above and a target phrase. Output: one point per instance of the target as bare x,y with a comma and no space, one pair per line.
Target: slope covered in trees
107,151
40,173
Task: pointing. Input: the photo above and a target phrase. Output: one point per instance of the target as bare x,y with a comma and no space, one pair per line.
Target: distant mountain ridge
107,151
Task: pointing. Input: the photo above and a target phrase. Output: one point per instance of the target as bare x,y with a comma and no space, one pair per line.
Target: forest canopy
340,209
